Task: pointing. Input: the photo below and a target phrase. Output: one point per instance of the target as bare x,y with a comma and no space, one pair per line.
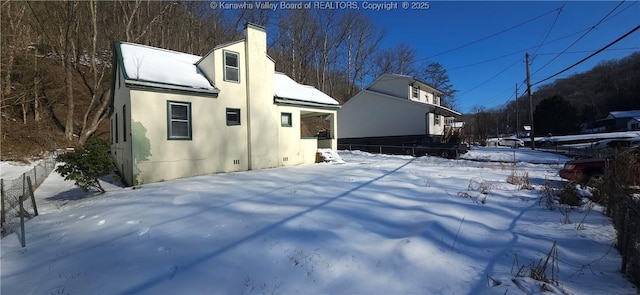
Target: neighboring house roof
150,66
288,90
623,114
409,79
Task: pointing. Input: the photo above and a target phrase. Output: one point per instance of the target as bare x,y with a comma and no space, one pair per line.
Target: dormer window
415,92
231,67
436,100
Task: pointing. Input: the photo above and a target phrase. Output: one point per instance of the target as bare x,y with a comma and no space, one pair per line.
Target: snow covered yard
374,225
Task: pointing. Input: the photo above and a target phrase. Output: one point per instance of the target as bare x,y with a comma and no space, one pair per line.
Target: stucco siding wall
289,141
214,146
121,151
207,66
263,116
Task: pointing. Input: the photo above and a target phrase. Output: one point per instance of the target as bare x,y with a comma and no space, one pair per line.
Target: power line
550,29
488,37
580,38
589,50
492,77
589,56
520,51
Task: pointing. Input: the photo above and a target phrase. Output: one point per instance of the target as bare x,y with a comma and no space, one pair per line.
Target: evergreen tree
86,164
557,116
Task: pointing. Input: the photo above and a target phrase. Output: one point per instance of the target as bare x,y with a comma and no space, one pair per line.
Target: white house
394,109
177,115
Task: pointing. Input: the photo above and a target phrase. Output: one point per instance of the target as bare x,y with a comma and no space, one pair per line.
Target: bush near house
85,165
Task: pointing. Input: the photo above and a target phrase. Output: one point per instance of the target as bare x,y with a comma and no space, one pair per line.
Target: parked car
584,170
511,142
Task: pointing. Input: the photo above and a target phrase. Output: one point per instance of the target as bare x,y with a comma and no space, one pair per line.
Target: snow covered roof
623,114
289,90
155,65
150,66
409,79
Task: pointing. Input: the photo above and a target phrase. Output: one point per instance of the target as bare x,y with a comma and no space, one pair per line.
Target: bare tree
361,44
93,80
399,59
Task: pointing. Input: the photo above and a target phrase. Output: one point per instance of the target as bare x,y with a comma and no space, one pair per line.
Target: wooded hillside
56,58
612,85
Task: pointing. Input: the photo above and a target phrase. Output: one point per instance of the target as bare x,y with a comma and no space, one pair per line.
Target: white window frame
415,92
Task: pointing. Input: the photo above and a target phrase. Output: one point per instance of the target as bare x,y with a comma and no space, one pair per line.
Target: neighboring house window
436,119
416,91
231,67
116,129
233,117
124,123
113,138
285,120
179,117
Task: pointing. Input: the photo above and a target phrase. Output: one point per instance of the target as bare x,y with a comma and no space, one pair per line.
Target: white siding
392,85
370,115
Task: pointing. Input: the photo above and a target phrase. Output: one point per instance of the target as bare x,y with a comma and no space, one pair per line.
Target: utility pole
517,118
533,143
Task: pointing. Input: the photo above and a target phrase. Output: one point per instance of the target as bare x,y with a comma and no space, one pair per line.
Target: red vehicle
583,170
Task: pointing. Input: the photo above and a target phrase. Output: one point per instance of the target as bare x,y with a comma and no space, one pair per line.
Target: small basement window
233,117
285,120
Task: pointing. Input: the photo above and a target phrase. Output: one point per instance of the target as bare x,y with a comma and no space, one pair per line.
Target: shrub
86,164
569,195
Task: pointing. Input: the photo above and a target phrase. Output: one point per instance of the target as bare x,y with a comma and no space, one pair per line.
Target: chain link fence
620,193
18,203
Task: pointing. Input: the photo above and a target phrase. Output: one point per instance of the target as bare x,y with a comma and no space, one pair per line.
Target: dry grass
520,179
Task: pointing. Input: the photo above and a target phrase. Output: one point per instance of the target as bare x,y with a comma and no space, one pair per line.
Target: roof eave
290,101
147,84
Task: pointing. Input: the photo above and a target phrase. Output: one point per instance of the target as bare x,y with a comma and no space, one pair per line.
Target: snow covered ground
375,224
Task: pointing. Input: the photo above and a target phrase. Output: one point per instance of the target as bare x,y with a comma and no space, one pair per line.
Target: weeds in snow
482,186
548,196
458,232
581,224
520,179
565,214
538,271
